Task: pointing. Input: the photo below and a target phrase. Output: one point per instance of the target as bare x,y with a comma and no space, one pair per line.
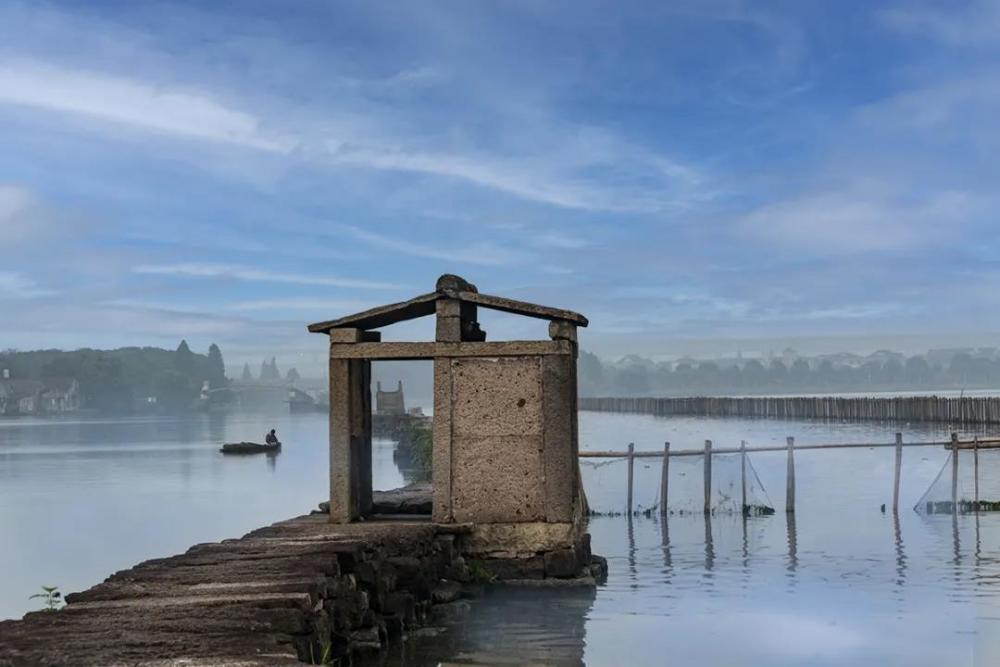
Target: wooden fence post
708,476
743,476
664,479
899,463
790,476
631,466
954,472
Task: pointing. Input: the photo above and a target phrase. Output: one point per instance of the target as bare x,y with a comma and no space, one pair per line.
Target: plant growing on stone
479,574
50,596
325,654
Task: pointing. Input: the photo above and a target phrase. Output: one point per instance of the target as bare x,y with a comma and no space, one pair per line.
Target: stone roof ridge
448,286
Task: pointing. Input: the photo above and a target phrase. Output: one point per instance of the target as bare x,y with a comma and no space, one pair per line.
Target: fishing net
970,494
605,482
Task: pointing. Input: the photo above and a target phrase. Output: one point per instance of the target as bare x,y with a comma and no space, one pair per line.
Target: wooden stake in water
899,464
631,466
743,476
954,472
664,478
790,477
975,470
708,476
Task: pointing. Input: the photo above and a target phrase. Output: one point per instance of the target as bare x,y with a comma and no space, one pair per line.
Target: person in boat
271,438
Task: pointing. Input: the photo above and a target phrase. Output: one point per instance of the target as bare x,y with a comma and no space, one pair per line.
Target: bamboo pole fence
952,410
709,450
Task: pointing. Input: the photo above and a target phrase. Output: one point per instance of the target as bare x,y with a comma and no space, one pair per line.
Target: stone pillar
350,439
442,464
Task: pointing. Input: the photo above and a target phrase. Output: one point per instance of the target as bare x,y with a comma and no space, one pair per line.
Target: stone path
273,597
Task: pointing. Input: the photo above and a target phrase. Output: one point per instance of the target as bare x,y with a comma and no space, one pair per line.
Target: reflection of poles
793,550
954,473
708,476
665,542
900,553
899,464
709,543
955,541
632,573
790,477
664,479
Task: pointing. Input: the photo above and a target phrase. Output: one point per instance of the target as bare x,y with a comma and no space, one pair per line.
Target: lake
842,583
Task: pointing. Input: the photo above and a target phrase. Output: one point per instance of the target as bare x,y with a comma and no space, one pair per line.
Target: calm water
843,584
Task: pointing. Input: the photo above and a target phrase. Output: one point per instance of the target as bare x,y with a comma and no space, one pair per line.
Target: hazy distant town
149,380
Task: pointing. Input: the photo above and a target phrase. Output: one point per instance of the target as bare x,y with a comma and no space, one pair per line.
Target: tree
184,359
216,367
917,371
247,375
799,372
269,370
292,376
777,373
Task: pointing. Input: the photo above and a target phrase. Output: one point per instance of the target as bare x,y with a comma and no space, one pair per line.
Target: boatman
271,438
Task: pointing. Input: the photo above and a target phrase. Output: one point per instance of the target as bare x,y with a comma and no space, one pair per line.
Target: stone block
562,563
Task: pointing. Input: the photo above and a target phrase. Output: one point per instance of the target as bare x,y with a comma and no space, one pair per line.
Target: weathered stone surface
513,539
562,563
273,597
446,591
497,469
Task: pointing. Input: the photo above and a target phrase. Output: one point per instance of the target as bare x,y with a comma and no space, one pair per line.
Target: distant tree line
126,380
636,376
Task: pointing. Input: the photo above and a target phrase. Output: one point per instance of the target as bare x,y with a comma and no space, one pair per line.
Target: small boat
250,448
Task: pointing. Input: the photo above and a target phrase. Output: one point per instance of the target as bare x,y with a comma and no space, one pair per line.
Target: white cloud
159,108
19,217
571,166
299,304
14,286
978,23
482,253
194,270
850,221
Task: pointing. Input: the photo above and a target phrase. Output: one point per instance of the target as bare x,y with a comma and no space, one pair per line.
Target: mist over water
841,583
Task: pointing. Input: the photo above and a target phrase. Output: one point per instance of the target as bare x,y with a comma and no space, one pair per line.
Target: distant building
36,397
389,402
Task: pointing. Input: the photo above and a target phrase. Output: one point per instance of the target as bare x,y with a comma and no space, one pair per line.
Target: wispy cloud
159,108
975,24
194,270
484,253
14,286
580,167
277,305
857,220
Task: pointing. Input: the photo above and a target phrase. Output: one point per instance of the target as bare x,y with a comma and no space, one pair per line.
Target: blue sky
677,171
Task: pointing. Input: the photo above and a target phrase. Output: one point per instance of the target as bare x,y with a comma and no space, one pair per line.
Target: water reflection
791,537
824,586
503,626
897,532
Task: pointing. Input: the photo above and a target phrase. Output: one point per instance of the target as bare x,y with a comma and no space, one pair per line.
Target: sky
708,174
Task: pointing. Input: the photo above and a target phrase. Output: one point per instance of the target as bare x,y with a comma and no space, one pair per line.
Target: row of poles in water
954,410
954,445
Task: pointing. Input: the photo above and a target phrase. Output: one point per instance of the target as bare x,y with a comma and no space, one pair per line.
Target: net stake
790,476
743,474
954,473
975,470
664,478
631,465
708,476
899,463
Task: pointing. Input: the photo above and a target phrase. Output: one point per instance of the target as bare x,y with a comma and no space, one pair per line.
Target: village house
39,397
